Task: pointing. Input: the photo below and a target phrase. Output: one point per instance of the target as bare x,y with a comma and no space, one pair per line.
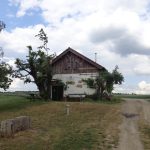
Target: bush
92,97
112,100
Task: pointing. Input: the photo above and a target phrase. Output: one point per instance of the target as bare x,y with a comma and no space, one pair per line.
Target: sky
117,30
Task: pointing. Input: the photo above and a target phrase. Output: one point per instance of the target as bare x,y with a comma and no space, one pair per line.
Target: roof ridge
79,55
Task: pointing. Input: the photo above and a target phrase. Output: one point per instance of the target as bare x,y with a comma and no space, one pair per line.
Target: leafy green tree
5,73
105,82
100,83
37,68
114,78
5,69
2,26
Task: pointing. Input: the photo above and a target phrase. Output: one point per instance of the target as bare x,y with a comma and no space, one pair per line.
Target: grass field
90,126
137,96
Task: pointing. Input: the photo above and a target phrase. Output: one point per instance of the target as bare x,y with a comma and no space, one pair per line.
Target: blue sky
118,31
8,13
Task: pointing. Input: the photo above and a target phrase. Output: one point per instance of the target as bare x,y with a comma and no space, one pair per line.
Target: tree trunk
98,92
48,92
42,91
101,93
101,90
49,78
45,90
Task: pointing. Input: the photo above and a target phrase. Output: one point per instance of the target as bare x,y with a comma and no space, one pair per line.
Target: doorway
57,92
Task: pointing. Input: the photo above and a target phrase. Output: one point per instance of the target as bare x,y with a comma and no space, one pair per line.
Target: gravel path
132,111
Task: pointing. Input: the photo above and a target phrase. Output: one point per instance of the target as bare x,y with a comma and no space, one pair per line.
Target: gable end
70,61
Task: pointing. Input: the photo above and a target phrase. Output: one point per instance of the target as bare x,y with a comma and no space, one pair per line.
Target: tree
5,69
2,26
100,83
37,68
5,72
114,78
105,82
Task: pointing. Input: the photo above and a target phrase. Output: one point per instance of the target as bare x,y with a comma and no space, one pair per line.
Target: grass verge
145,134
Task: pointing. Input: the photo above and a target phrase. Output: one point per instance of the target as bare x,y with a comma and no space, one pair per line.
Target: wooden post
67,109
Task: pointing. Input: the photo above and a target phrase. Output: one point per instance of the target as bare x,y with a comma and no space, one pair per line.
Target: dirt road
132,111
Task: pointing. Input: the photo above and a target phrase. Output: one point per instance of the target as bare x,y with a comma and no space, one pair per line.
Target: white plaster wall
78,87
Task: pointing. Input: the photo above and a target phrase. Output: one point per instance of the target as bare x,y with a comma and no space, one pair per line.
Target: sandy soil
132,111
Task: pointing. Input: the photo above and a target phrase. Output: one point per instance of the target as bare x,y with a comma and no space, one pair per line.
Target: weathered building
71,68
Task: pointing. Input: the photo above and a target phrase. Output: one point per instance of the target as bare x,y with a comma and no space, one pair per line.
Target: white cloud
142,63
24,6
71,24
18,85
143,68
75,21
125,88
143,88
53,10
18,39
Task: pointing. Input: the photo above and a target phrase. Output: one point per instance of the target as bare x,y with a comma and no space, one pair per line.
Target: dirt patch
129,136
130,115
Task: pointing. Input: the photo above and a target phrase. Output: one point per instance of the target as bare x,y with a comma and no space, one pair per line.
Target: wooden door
57,92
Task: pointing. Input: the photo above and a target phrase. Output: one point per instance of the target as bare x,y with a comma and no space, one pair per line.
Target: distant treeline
20,93
139,96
